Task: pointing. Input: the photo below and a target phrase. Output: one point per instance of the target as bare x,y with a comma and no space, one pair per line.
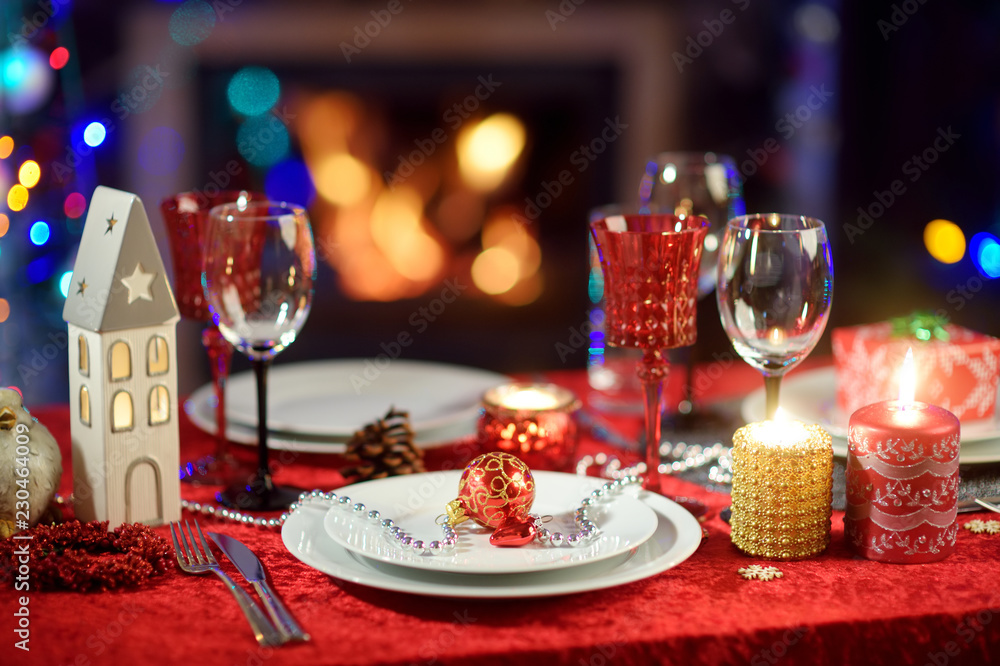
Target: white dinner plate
337,397
677,536
811,396
200,409
318,406
415,501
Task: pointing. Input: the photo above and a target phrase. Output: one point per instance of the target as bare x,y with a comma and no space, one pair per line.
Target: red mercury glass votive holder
902,482
535,422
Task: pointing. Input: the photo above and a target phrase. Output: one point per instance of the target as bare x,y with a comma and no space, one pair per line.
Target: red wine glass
650,265
186,218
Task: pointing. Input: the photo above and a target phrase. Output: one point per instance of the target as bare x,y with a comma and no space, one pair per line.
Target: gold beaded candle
782,489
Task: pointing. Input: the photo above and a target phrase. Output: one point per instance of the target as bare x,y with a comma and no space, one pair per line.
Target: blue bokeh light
984,248
253,90
26,77
595,285
192,22
39,233
289,180
94,134
161,151
990,260
64,283
262,140
15,68
40,269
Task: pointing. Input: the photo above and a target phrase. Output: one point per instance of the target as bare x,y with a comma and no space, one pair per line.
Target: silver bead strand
587,529
232,515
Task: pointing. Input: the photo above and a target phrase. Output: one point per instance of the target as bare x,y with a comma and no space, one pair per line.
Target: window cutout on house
121,419
159,405
84,406
157,358
121,361
84,356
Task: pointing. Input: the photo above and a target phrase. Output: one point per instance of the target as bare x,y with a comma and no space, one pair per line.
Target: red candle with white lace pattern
902,480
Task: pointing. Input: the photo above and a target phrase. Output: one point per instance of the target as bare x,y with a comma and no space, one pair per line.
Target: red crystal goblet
186,219
650,265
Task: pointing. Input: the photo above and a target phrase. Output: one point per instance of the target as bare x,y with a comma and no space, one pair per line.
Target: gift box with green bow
956,368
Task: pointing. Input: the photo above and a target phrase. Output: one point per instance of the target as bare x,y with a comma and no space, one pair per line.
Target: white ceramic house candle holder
122,322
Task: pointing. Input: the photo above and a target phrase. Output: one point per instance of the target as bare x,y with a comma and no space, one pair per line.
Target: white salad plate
414,502
676,538
811,396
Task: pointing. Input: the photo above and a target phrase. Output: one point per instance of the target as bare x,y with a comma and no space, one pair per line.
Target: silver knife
248,565
971,505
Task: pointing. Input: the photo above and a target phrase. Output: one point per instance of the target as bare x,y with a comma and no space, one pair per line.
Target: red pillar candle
902,480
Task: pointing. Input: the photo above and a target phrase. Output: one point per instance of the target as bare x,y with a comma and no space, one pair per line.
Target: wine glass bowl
775,288
186,217
258,277
650,265
693,183
260,312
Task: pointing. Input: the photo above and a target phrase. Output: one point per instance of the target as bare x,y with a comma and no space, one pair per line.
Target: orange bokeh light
17,198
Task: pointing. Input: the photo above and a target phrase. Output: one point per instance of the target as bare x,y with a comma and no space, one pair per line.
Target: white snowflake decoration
983,526
760,573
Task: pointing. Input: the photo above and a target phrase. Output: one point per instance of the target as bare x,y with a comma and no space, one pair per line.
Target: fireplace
451,168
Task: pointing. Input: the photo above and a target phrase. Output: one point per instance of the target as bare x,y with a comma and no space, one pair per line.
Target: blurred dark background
351,107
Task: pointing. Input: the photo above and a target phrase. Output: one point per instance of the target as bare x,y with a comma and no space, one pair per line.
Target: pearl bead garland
588,530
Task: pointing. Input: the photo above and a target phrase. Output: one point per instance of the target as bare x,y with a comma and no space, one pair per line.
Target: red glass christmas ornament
514,533
496,488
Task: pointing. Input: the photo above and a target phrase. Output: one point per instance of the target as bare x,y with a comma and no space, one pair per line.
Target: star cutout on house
138,284
111,225
82,286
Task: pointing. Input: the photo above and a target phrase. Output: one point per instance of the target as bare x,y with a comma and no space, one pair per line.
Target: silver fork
193,561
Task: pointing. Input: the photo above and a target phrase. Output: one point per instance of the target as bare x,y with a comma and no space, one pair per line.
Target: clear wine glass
694,183
260,264
775,286
650,265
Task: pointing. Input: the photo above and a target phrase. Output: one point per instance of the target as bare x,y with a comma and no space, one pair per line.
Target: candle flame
782,430
907,380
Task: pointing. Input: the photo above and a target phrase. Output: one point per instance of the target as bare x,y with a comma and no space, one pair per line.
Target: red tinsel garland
85,556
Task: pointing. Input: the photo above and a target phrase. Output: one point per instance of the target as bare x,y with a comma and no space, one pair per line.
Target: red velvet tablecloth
833,609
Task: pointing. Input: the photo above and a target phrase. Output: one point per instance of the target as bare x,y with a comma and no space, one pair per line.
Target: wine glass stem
260,370
772,386
689,378
653,393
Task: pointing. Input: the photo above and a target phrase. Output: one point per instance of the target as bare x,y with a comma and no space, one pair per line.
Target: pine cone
385,448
